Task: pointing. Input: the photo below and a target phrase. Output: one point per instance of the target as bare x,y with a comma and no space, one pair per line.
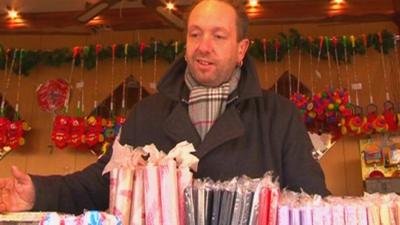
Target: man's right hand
17,193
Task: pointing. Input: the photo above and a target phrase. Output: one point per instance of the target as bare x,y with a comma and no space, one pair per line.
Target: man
211,98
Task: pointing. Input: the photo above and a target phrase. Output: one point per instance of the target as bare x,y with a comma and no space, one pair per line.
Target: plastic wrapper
317,215
88,218
189,206
294,216
113,190
373,215
269,198
397,211
72,220
184,180
384,214
208,199
169,192
123,160
182,154
216,205
123,199
338,214
283,215
327,215
265,202
124,156
306,215
237,206
350,214
362,214
250,188
152,195
227,202
51,219
273,208
137,208
254,212
201,204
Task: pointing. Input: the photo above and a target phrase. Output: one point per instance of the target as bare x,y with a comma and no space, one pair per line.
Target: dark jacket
259,132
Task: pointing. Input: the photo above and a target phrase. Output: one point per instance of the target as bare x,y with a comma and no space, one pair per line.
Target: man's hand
17,193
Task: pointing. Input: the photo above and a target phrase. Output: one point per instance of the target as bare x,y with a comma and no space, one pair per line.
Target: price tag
356,86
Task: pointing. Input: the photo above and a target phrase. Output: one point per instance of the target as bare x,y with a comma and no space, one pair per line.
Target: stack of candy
372,209
88,218
237,202
150,191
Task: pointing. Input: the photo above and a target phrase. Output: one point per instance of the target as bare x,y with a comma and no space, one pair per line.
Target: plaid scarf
207,104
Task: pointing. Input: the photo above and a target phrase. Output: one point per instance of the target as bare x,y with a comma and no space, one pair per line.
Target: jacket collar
173,85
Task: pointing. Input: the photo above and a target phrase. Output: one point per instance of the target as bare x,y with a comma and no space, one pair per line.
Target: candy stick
299,71
155,63
353,45
383,66
289,68
328,55
264,41
277,46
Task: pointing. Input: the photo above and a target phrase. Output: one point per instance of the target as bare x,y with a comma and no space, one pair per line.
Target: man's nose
205,44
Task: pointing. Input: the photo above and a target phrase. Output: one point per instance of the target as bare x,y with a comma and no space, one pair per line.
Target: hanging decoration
95,123
52,95
18,127
277,47
12,130
169,50
78,129
264,42
61,132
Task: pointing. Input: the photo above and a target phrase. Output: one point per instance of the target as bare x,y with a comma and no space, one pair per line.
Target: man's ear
243,46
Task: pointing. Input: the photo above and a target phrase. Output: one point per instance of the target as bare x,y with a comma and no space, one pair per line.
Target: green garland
274,47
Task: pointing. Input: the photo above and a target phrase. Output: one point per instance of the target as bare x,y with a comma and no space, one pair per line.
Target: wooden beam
171,17
269,12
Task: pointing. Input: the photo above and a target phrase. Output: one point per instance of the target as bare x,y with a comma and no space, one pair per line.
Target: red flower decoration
52,94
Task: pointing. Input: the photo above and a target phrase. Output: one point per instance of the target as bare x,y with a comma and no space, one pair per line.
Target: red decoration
15,134
52,94
142,46
109,132
4,125
61,131
94,134
389,116
98,49
77,132
76,51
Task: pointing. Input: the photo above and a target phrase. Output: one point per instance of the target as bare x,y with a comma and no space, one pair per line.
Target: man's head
216,40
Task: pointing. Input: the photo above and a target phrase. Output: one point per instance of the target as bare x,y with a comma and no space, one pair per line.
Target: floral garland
169,50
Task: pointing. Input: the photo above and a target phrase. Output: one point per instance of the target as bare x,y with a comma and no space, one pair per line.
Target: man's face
212,49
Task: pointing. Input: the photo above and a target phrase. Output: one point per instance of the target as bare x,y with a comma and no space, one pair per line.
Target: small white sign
318,74
80,84
356,86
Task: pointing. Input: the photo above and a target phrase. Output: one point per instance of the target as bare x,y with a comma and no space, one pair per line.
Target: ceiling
62,16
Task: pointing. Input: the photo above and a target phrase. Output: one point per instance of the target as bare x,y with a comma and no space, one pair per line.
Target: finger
3,182
3,207
3,201
20,176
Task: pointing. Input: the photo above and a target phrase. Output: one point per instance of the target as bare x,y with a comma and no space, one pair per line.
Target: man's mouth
204,62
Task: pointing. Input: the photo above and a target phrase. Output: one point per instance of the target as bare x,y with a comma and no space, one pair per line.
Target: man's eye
194,35
219,37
